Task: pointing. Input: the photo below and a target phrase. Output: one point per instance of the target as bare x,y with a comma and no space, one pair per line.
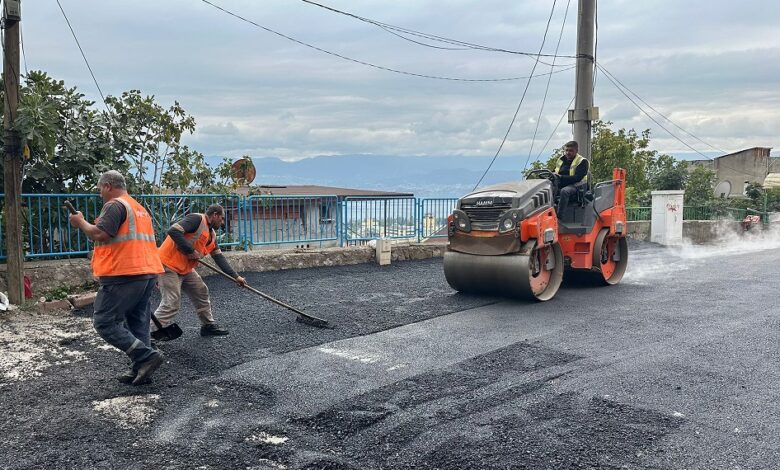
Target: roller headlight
461,220
509,221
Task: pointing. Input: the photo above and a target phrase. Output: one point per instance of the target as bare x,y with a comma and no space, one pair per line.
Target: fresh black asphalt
676,367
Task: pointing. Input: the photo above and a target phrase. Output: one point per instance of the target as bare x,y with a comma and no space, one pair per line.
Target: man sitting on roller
572,169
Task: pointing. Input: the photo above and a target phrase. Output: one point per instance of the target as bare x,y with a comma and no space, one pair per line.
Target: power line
84,56
565,112
659,113
522,98
24,55
547,88
368,64
595,46
609,77
390,31
466,45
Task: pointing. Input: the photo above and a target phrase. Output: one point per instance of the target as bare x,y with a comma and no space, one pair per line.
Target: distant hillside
423,176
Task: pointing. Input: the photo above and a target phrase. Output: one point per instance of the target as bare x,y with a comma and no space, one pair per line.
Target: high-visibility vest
577,160
176,260
133,251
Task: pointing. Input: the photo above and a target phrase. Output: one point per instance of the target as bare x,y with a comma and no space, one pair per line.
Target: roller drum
536,275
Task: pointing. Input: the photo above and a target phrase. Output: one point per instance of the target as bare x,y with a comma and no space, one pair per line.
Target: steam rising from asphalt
644,265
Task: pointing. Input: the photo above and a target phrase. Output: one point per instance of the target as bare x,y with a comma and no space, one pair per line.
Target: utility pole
584,112
12,160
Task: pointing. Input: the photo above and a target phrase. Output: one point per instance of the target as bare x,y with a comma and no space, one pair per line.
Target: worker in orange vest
126,264
189,240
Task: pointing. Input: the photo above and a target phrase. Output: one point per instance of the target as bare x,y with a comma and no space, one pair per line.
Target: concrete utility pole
584,112
12,161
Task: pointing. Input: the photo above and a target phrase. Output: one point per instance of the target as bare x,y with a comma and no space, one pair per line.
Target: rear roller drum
536,275
610,257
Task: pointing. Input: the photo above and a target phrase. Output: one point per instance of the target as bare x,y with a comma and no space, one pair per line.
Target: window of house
326,213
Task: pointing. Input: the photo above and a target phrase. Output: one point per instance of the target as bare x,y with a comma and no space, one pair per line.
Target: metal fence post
418,202
340,222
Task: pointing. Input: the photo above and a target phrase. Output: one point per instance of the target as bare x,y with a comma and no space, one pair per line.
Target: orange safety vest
173,258
133,251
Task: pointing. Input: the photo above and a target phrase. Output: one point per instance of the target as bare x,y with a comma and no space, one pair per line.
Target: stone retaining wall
75,273
699,232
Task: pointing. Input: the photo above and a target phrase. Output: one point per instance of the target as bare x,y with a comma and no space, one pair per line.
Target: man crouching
189,240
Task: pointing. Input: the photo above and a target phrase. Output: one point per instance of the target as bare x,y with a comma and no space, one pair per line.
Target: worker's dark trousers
122,314
567,193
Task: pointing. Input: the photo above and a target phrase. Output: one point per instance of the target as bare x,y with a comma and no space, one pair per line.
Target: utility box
666,225
383,252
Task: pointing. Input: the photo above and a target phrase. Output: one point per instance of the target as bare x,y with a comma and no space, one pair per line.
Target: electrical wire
24,55
606,74
658,112
368,64
544,147
610,78
466,45
522,98
547,88
72,32
595,47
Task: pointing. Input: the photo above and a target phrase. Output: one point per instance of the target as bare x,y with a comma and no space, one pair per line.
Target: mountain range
422,176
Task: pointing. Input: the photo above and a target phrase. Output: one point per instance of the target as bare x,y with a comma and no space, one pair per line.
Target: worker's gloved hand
195,255
241,281
74,219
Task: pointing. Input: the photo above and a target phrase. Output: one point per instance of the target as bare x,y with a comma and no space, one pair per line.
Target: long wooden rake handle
303,316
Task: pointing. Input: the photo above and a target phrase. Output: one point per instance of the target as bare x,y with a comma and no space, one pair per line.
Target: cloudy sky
712,66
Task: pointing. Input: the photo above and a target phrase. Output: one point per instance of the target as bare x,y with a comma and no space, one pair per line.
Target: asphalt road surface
676,367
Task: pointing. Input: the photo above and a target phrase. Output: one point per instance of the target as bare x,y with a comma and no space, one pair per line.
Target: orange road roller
508,240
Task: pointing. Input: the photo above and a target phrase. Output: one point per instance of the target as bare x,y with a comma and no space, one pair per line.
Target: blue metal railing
273,220
432,217
367,218
261,220
166,209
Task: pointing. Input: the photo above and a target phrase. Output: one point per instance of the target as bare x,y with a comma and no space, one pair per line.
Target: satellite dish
723,189
243,171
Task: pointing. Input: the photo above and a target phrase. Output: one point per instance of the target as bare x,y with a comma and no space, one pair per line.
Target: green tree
621,149
773,199
666,173
68,140
755,192
71,141
147,135
187,170
699,189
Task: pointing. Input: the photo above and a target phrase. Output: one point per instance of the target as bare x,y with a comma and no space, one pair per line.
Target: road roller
508,240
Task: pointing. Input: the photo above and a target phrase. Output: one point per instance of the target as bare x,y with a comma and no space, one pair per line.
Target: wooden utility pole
12,161
584,112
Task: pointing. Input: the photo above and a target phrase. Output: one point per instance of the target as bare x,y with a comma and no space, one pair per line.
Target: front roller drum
537,275
610,257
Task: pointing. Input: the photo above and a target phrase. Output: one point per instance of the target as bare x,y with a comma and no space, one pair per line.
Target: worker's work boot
147,368
212,329
128,377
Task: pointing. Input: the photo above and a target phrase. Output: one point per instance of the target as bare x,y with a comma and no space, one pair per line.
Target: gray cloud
712,66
